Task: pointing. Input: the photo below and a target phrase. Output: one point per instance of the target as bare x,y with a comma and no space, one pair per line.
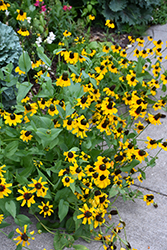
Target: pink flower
37,3
43,8
65,7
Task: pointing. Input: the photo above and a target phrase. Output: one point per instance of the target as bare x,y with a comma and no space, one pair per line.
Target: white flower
52,35
29,19
7,12
39,41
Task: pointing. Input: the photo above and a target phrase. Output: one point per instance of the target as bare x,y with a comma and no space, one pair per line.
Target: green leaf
117,5
19,247
11,208
22,220
4,224
25,62
80,247
11,148
23,89
73,69
63,209
129,166
113,191
11,234
42,56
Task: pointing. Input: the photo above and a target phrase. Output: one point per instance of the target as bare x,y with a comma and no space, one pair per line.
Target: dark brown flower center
24,237
2,188
45,208
38,185
27,196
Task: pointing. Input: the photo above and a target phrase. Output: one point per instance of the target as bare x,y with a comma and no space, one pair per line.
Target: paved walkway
146,226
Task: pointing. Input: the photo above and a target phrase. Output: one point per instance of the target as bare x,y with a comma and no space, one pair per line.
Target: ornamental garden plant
70,147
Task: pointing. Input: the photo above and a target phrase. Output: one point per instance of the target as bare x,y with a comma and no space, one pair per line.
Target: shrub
10,51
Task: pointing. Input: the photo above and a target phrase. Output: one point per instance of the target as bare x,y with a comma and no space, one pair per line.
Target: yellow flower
26,196
67,180
24,237
87,214
4,6
18,70
91,17
1,218
4,190
26,135
2,171
38,186
21,15
12,119
148,198
46,209
66,33
23,32
110,24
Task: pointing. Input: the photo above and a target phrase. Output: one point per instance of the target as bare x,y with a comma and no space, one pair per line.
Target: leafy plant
128,12
10,51
159,15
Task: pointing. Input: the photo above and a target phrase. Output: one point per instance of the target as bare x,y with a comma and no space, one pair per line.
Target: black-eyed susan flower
84,156
1,218
151,143
37,163
63,81
81,127
25,135
23,31
140,178
102,201
83,102
30,108
71,57
116,48
67,180
52,110
136,53
4,188
87,214
21,15
148,198
89,170
66,33
70,156
24,236
46,209
154,119
12,119
4,6
164,79
140,154
26,196
38,187
68,123
102,181
65,171
18,70
163,145
77,171
106,48
99,217
110,24
79,40
158,44
140,41
2,171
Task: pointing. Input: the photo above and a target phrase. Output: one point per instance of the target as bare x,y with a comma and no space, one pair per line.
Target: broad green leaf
11,207
22,220
25,62
113,191
117,5
11,148
42,56
23,89
4,224
63,209
129,166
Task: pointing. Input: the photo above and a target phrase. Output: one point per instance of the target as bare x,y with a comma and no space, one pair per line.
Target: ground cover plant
69,150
